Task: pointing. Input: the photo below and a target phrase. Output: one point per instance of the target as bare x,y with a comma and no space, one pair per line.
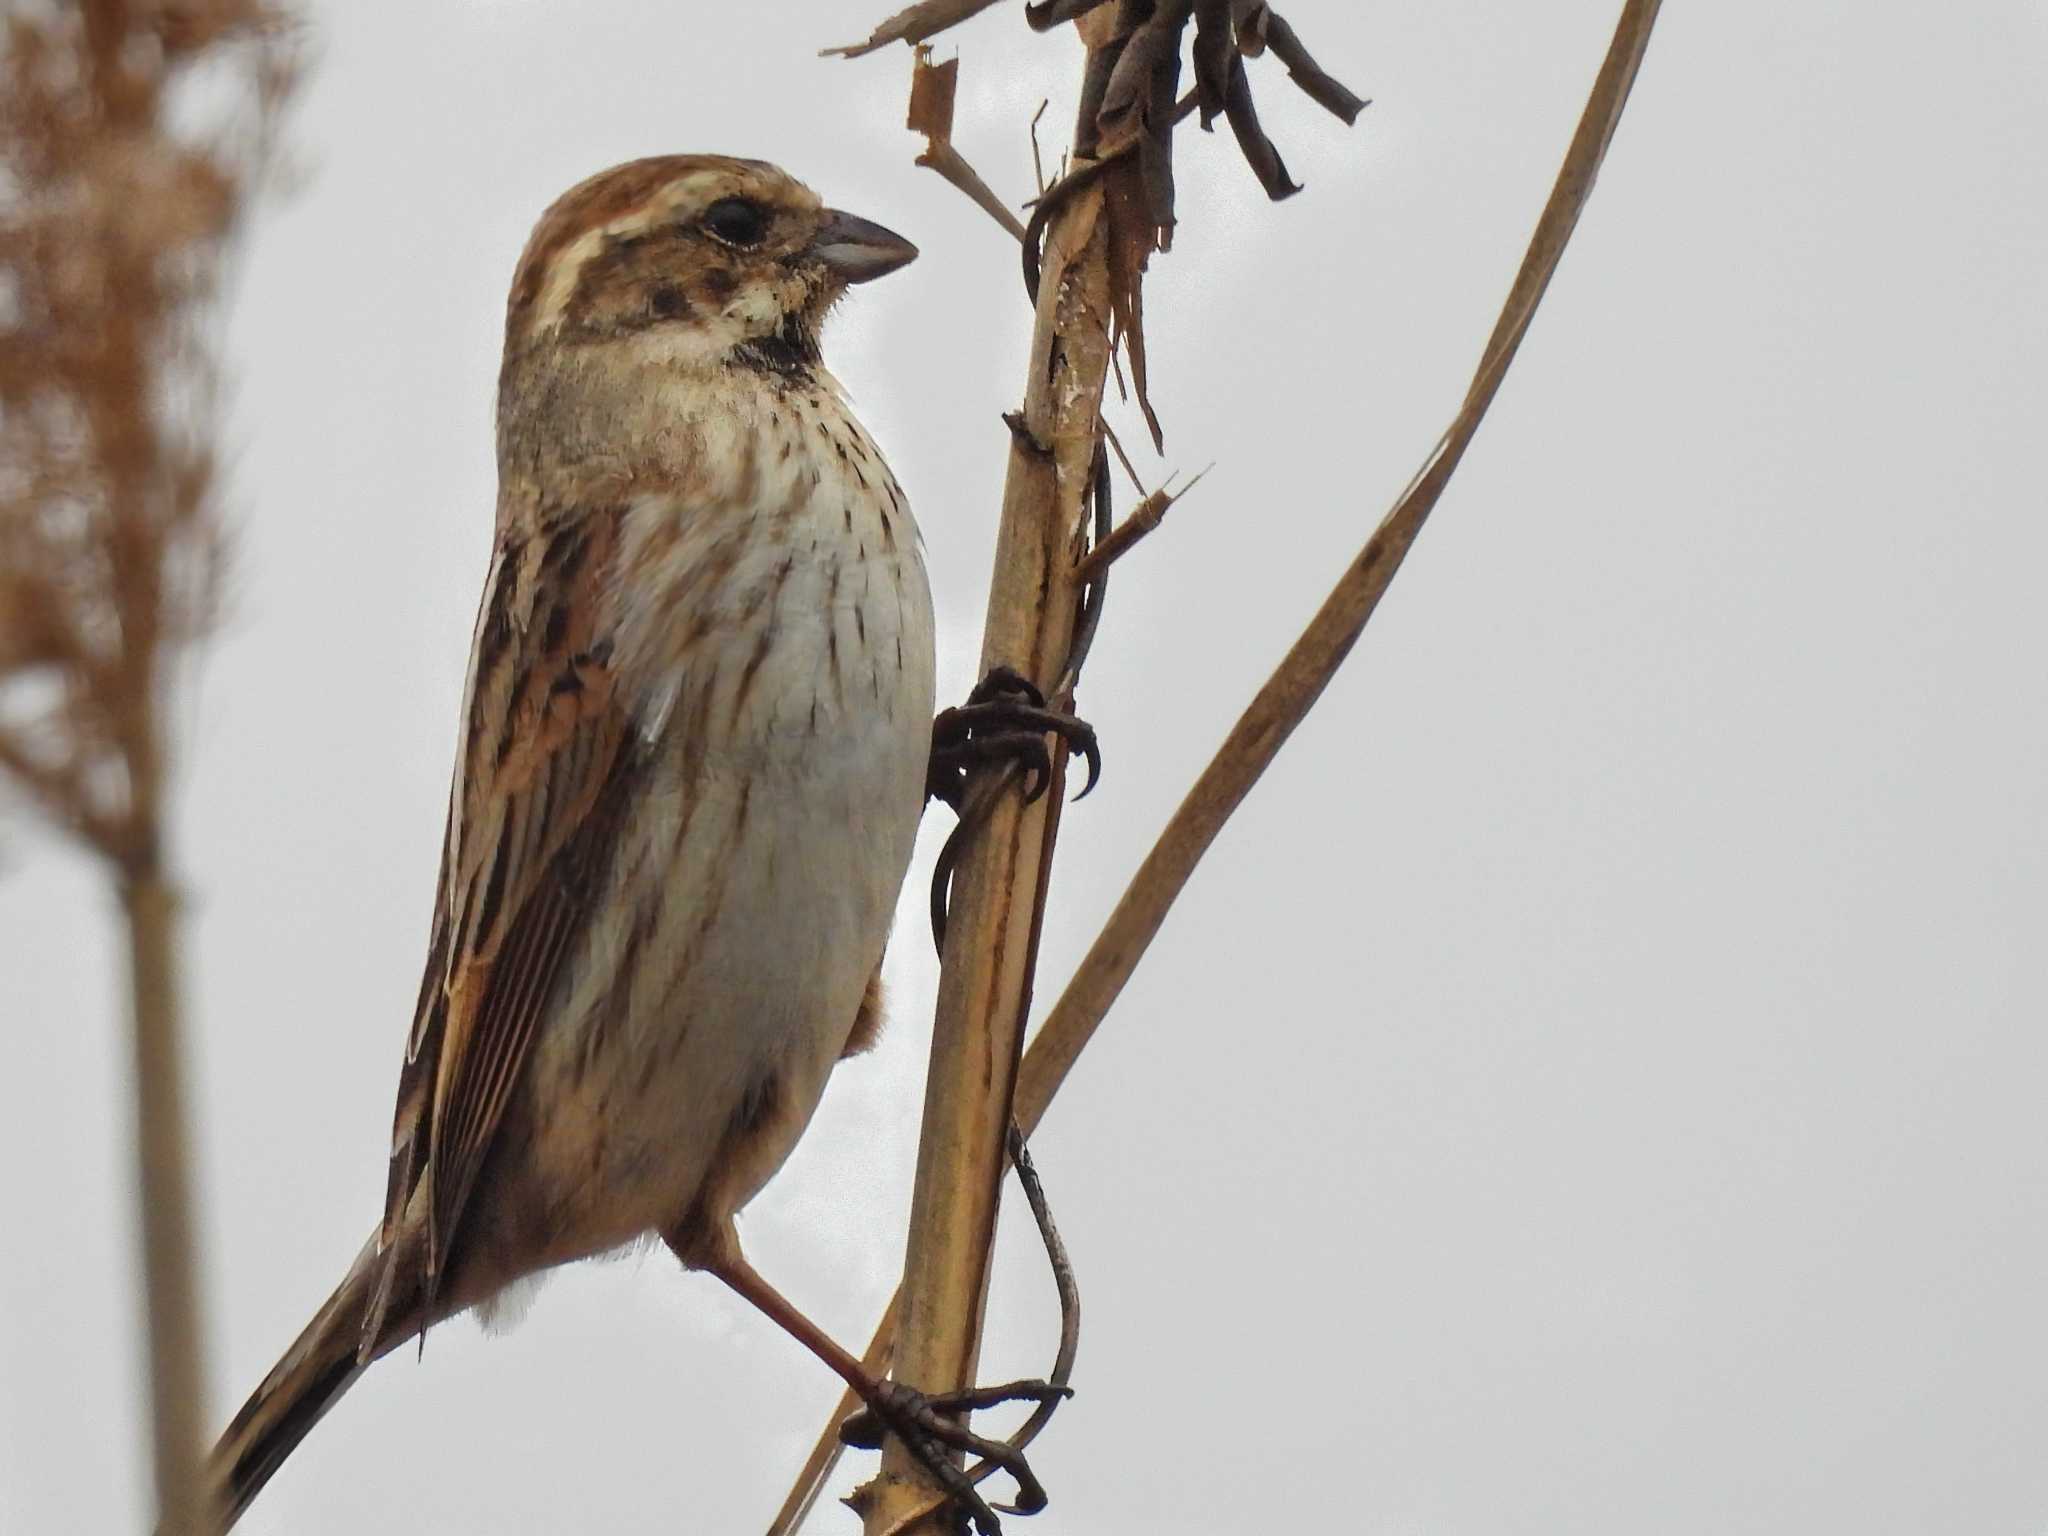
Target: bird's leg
922,1421
1004,720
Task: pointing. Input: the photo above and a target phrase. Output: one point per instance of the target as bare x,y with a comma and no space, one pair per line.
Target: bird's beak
859,250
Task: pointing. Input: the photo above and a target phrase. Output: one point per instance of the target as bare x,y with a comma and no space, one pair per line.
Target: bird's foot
925,1423
1005,719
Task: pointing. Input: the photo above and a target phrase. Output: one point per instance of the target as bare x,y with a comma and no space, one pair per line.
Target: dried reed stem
178,1399
1299,680
985,979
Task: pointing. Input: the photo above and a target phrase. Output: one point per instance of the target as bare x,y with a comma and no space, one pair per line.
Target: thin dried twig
912,24
1130,470
931,113
1141,520
1309,665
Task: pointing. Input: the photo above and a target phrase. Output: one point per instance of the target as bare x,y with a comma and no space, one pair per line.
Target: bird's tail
322,1363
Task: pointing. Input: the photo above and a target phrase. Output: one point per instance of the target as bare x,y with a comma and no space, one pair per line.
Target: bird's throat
791,351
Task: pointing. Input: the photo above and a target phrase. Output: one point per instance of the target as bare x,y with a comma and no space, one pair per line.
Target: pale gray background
1595,1085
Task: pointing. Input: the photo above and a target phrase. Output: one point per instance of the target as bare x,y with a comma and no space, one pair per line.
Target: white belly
784,749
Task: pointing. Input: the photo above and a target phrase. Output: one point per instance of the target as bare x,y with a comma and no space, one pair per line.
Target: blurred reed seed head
133,136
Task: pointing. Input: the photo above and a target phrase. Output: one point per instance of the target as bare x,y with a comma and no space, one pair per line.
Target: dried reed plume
115,223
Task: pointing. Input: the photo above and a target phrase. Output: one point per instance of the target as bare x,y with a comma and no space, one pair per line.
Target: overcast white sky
1596,1083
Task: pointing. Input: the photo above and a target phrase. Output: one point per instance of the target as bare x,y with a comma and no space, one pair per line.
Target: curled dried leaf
1138,104
932,89
1214,47
1252,143
1315,82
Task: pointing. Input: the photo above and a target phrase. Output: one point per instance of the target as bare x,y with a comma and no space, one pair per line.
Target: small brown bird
693,758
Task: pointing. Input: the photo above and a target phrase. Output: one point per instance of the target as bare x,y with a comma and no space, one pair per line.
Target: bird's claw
1005,719
926,1424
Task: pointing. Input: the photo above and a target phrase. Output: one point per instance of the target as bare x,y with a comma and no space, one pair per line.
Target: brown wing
531,820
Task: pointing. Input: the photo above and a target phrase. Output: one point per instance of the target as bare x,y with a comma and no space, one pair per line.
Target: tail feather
322,1363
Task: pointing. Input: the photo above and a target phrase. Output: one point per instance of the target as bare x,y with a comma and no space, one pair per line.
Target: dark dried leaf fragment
1257,149
1044,15
1215,45
1138,103
1315,82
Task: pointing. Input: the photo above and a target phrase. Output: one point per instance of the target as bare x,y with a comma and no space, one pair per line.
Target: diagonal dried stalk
1300,679
113,231
1313,660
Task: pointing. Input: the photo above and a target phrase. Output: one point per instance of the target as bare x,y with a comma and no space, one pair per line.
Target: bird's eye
736,221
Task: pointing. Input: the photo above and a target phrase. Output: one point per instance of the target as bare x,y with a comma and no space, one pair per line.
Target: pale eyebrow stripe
566,266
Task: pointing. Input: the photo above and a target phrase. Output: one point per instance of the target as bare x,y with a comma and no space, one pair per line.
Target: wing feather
538,799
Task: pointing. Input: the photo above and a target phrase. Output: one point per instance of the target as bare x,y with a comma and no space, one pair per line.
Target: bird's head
692,261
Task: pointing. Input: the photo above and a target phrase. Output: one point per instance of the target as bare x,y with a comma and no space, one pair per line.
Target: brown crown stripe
591,204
